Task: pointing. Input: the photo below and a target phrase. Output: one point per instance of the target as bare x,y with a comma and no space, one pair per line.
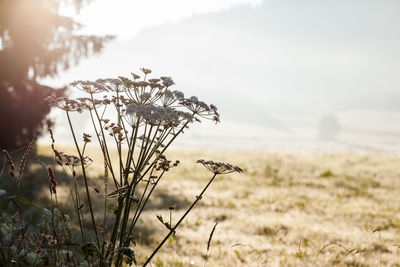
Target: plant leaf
4,204
160,218
25,201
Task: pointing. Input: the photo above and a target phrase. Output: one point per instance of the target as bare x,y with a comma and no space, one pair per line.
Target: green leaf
4,204
22,200
129,253
90,249
160,218
71,244
131,239
170,240
25,201
112,208
168,226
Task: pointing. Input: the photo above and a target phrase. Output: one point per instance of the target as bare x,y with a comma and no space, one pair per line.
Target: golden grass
282,211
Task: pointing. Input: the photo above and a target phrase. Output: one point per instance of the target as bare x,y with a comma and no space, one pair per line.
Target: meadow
128,199
286,209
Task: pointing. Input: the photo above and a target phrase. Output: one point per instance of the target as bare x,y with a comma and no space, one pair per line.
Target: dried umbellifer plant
139,118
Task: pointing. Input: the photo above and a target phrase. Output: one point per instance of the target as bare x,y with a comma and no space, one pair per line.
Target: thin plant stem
128,194
137,216
165,148
103,147
78,214
84,179
131,149
179,222
120,203
103,136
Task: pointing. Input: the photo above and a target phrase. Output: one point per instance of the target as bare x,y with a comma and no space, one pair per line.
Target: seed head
71,160
154,80
167,81
145,71
135,76
219,167
89,86
200,108
86,138
113,85
65,103
52,181
10,162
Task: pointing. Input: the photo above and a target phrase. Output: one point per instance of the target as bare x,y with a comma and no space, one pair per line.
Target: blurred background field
286,209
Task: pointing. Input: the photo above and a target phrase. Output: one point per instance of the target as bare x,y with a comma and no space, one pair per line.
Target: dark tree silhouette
35,42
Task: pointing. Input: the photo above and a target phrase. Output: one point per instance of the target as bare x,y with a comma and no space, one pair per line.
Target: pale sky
125,18
274,68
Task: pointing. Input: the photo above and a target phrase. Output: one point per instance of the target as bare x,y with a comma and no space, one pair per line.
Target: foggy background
285,75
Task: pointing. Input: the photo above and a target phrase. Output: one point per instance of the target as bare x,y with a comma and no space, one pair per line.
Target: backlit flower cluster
148,100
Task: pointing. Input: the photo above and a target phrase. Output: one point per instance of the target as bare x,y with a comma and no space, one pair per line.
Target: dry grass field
284,210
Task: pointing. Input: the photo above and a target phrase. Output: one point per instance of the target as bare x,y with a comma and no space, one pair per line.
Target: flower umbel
71,160
89,86
219,167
